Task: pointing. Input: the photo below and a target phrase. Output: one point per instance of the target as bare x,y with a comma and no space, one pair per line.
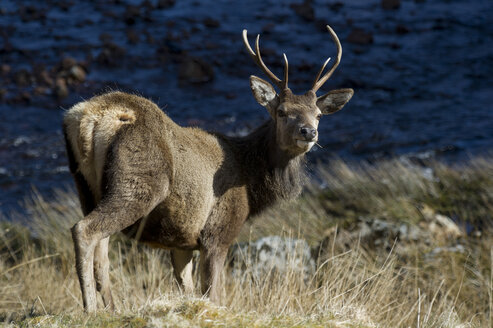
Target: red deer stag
180,188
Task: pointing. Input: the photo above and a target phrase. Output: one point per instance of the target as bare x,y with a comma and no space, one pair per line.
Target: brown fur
180,188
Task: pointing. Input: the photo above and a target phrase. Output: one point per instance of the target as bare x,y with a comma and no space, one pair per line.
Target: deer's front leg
211,267
182,261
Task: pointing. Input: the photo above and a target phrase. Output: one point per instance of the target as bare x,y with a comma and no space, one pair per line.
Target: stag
181,188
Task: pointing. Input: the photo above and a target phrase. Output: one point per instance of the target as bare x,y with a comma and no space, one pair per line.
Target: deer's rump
123,139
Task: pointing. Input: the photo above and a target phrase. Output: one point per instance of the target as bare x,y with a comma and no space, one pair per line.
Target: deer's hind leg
128,198
110,216
102,273
88,203
101,261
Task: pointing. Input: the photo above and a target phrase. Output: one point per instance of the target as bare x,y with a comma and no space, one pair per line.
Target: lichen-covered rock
271,254
373,233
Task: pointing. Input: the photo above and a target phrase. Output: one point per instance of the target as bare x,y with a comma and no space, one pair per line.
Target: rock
211,22
360,36
61,89
31,13
44,78
371,233
268,28
23,78
67,63
77,73
131,14
147,5
456,249
5,69
401,29
395,46
195,70
132,36
163,4
391,4
105,37
110,54
23,97
304,10
442,227
336,6
273,254
65,5
40,91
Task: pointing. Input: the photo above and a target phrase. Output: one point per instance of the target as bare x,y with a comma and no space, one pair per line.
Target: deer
182,188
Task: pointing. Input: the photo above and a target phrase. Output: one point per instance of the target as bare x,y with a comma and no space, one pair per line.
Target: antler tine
286,69
320,72
260,63
317,84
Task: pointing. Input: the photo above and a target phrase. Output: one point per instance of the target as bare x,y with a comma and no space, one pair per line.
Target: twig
29,262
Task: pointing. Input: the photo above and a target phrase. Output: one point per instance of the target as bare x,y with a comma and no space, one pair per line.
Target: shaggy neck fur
271,173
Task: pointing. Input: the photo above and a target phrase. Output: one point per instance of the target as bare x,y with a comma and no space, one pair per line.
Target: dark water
422,73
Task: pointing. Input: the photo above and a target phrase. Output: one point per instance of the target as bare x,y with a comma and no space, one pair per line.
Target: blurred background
422,73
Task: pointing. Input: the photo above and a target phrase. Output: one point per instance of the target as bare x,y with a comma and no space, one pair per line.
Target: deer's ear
264,93
334,100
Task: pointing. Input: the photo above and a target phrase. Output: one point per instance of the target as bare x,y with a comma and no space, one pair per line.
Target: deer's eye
319,116
281,113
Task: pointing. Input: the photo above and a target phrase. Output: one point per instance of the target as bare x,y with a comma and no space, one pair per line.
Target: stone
445,227
31,13
195,70
68,62
132,36
105,37
336,6
23,78
163,4
304,10
44,78
371,233
441,226
401,29
5,69
391,4
272,254
440,251
360,36
110,54
78,73
40,91
211,22
61,89
131,14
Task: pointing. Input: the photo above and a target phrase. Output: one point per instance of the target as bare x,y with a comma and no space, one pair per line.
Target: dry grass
353,287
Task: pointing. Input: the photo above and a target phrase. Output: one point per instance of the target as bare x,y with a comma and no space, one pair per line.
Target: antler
281,84
317,84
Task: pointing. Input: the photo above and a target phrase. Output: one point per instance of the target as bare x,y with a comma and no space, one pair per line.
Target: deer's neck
271,174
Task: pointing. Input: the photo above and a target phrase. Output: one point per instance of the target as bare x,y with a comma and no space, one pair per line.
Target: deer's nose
308,133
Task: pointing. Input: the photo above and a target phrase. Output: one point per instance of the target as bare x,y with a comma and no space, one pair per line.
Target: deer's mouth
305,144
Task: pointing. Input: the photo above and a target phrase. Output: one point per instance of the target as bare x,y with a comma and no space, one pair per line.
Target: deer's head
296,116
